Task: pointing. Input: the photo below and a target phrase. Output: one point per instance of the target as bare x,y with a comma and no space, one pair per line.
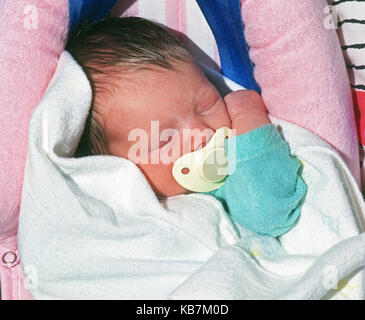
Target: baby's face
158,116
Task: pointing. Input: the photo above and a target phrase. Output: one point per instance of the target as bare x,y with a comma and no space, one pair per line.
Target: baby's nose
196,138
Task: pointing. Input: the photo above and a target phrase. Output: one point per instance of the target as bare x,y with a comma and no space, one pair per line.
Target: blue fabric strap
81,11
225,21
223,17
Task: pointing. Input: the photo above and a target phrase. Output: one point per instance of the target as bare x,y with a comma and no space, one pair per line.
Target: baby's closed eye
208,107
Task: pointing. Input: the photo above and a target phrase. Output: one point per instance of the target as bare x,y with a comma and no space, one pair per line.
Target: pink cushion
301,70
32,36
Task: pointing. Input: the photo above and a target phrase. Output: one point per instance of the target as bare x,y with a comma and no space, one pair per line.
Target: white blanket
92,228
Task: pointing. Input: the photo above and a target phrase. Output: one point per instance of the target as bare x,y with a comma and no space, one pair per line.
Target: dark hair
114,45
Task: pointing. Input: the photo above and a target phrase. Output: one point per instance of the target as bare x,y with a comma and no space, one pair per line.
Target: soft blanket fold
92,228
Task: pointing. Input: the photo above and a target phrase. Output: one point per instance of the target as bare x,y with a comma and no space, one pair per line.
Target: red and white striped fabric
351,31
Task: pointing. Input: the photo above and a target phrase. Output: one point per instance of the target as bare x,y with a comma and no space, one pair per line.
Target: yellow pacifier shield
204,170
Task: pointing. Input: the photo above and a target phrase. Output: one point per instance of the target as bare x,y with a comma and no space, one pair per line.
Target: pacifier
206,169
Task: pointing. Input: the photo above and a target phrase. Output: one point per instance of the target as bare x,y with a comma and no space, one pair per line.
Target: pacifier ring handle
205,169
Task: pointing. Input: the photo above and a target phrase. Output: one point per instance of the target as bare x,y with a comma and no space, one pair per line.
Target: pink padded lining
301,70
32,36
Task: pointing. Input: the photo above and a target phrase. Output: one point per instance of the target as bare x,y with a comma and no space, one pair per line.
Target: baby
141,75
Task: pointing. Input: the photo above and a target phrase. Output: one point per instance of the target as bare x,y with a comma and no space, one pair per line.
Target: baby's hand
247,110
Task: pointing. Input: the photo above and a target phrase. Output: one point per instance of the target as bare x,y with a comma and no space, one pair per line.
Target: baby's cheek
161,179
169,154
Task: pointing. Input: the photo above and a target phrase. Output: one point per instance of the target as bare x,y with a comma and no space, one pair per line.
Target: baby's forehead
151,89
127,79
151,79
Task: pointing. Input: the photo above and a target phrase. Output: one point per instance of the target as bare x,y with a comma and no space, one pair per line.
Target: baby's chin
162,181
170,190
